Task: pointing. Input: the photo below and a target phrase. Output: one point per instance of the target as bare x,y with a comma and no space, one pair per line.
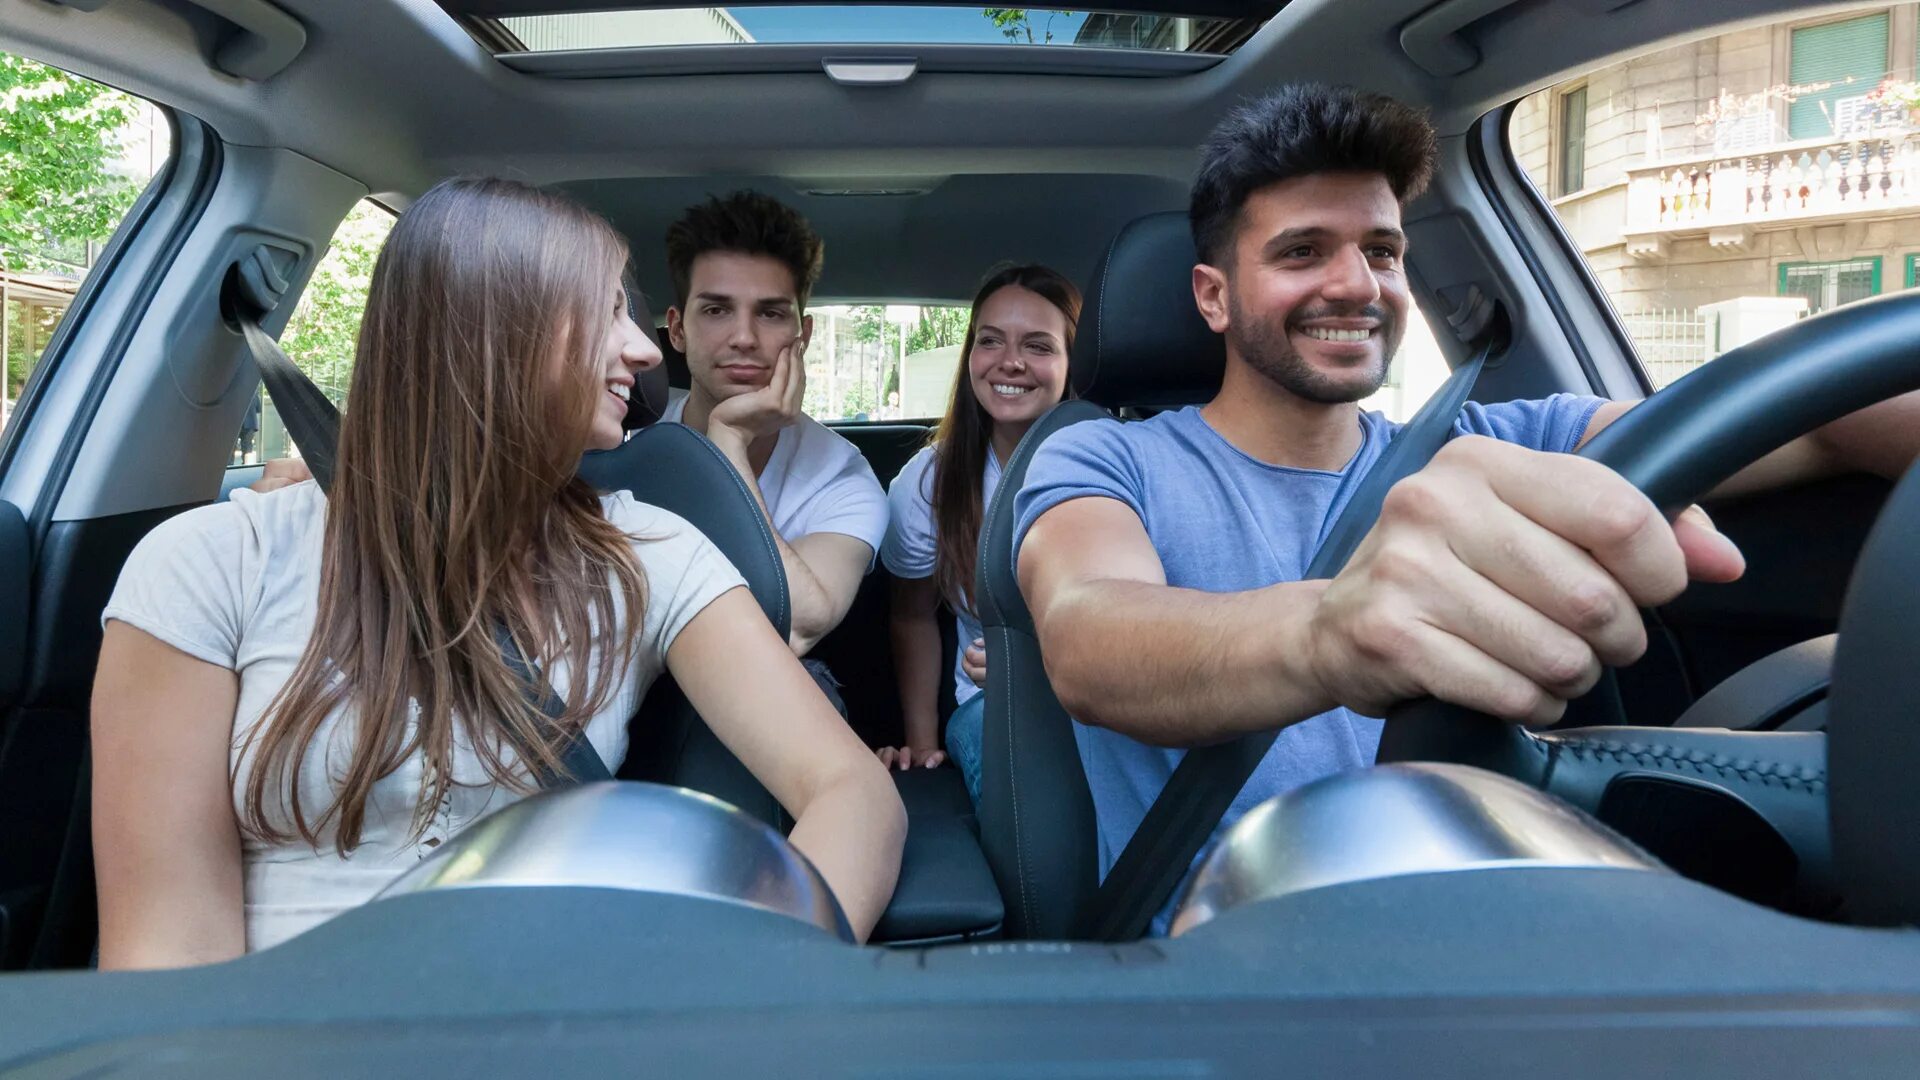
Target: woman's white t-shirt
236,584
912,546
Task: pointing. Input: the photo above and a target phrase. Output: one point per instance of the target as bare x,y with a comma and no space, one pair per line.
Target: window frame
167,206
1781,271
1913,271
1900,17
1558,128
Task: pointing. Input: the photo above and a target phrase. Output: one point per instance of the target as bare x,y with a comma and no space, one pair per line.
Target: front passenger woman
300,694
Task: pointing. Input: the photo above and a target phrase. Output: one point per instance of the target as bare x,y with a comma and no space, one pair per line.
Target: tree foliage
58,136
321,336
1016,24
938,328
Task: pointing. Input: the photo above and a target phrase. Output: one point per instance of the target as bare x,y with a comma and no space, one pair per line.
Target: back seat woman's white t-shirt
912,549
815,482
237,584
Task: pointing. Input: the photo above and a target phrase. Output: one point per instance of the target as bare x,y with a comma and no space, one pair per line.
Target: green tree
58,135
1015,24
938,328
28,330
321,336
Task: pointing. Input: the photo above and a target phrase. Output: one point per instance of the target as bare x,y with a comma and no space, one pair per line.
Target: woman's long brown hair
964,438
455,509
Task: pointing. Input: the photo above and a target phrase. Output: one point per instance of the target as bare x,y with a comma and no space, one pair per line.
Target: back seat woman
1013,368
300,695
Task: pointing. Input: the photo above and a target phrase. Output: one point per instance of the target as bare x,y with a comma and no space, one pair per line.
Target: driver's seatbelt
1209,778
314,422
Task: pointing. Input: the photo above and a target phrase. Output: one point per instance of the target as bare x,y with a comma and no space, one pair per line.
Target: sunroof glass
873,24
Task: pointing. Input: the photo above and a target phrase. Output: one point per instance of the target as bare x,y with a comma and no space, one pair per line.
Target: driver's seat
1141,344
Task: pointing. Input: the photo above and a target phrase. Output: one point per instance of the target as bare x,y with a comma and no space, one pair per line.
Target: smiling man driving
1162,559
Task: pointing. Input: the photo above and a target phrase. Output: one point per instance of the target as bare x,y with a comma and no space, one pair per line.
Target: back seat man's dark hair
1299,130
747,223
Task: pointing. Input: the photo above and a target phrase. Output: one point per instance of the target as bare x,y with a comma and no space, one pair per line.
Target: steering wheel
1844,803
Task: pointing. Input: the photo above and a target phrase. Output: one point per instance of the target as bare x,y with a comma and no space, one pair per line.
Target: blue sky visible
885,24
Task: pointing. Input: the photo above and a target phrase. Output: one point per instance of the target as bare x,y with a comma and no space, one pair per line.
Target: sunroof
1207,30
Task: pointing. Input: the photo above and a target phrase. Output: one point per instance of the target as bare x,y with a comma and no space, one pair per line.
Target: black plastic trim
1216,9
800,58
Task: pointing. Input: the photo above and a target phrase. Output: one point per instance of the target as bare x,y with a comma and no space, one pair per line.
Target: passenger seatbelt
314,422
1209,778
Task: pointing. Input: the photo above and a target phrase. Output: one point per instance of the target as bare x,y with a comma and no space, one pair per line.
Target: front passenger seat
673,467
1141,345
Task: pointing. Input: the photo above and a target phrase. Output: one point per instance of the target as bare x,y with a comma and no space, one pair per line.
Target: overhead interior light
870,72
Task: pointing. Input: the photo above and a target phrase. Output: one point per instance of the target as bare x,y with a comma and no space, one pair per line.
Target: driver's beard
1265,345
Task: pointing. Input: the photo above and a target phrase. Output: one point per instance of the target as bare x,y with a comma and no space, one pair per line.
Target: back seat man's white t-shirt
237,585
815,482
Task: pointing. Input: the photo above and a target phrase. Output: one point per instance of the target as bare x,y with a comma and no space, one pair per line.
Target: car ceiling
1043,166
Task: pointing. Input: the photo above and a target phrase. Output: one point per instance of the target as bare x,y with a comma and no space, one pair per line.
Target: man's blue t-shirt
1226,522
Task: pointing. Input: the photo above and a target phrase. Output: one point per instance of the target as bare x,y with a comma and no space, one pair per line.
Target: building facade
1722,186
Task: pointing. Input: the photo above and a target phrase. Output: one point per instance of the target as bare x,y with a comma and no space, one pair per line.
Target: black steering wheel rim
1675,447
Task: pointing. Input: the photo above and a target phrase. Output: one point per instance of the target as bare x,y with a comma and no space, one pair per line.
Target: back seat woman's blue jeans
965,728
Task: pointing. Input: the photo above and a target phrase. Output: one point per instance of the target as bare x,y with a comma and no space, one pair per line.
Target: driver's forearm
1883,439
1179,667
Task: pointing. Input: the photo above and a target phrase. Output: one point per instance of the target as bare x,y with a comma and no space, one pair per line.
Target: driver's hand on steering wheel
1501,578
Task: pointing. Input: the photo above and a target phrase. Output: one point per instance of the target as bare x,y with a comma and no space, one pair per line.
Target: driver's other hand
285,472
974,662
1502,579
906,757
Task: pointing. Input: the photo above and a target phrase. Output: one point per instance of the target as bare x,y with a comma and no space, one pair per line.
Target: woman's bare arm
166,846
753,693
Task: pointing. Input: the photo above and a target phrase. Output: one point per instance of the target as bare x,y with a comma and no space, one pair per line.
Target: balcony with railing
1787,184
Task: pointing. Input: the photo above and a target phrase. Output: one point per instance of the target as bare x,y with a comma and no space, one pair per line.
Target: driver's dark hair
1301,129
746,223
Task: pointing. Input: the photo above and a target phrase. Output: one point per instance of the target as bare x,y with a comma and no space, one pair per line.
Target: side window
321,335
73,157
1722,189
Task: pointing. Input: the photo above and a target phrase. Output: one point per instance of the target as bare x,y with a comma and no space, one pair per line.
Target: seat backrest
1140,343
675,468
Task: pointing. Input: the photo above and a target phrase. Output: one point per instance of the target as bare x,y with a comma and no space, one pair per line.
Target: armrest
946,892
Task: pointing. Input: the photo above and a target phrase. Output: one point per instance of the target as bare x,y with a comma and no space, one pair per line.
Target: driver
1162,559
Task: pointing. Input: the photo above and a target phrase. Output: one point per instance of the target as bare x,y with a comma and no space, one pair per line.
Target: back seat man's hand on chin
285,472
1502,579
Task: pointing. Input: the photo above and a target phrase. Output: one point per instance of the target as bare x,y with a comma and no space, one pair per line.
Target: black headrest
649,401
1141,341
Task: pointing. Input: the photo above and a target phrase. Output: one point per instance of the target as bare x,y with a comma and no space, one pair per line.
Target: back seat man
742,269
1161,559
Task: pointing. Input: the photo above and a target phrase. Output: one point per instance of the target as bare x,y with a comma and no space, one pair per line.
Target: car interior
1724,879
